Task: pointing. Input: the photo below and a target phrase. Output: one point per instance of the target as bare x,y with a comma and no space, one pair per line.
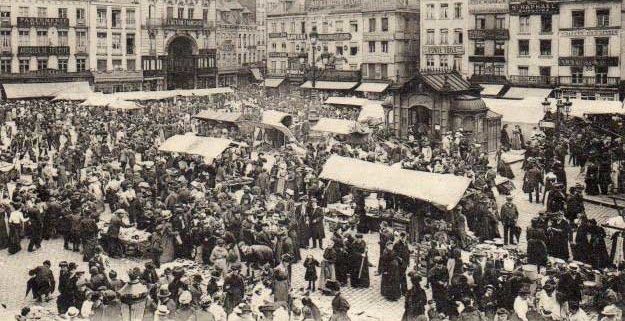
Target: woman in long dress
168,235
281,285
4,234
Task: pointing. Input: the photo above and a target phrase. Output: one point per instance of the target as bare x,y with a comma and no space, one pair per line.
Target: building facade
444,35
488,37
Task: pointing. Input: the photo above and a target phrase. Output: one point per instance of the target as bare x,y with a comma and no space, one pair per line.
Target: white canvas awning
273,82
338,126
490,89
220,116
372,87
441,190
44,90
330,85
256,73
521,92
98,99
120,104
347,101
580,107
276,120
524,111
207,147
145,95
205,91
371,113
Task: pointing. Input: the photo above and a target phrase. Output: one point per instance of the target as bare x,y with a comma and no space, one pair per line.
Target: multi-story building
178,44
444,25
288,45
44,40
488,37
115,33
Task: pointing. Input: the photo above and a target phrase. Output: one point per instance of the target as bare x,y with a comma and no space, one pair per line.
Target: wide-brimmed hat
610,310
162,310
163,291
73,312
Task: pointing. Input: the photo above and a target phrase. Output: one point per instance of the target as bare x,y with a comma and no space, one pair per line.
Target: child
311,265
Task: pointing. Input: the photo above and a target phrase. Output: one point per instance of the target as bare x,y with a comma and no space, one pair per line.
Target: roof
221,116
207,147
521,92
491,90
524,111
469,103
275,119
97,99
166,94
347,101
437,81
491,114
120,104
441,190
72,96
372,87
273,82
44,89
330,85
371,113
338,126
204,91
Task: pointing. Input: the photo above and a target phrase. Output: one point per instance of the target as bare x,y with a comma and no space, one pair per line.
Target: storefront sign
443,50
588,61
333,5
43,51
589,32
227,47
278,55
295,72
296,36
489,34
277,35
534,8
298,55
27,22
487,59
488,6
184,23
335,36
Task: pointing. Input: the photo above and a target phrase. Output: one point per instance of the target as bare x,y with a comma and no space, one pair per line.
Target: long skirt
168,250
281,291
14,238
4,234
326,273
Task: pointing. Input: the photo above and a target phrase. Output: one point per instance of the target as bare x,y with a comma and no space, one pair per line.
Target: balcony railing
488,79
101,23
180,23
489,34
82,48
590,81
537,81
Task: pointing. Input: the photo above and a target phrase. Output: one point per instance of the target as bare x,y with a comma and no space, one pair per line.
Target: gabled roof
444,80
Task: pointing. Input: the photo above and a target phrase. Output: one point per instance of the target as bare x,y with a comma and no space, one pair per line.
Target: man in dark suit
315,221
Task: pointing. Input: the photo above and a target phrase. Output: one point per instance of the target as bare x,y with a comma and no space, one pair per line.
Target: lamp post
562,107
313,41
387,105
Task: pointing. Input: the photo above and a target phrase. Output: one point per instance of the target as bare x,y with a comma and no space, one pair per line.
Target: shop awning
347,101
98,99
145,95
205,91
521,92
120,104
276,120
273,82
207,147
371,113
220,116
580,107
524,111
441,190
44,90
372,87
339,126
330,85
72,96
490,90
256,73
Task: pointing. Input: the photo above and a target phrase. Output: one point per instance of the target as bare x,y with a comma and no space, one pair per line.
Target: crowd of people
221,238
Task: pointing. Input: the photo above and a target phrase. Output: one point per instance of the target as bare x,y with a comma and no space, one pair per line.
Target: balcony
81,48
81,22
534,81
153,22
489,34
488,79
5,22
389,5
101,23
490,59
589,81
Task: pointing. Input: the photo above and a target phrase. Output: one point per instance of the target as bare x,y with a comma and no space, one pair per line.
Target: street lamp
387,105
313,41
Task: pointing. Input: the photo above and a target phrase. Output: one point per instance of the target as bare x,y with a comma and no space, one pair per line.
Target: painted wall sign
344,36
534,8
588,61
488,6
297,36
333,5
589,32
443,50
489,34
43,51
27,22
277,35
184,23
278,55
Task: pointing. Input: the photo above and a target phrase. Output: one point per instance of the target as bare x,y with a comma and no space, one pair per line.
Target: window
62,34
371,71
545,47
577,18
458,10
601,75
544,71
524,47
338,26
523,71
180,13
24,65
577,47
384,46
444,62
324,27
429,60
498,70
385,24
371,46
42,38
5,66
585,95
116,19
81,39
205,14
545,24
429,11
500,22
480,22
81,64
500,48
524,24
353,50
42,12
353,26
131,64
24,11
478,69
603,17
383,71
80,15
430,37
42,64
130,44
5,12
444,11
62,65
339,50
5,40
170,12
101,65
130,17
101,17
458,63
62,12
371,24
101,43
458,39
444,36
24,38
190,13
117,64
577,75
479,48
602,46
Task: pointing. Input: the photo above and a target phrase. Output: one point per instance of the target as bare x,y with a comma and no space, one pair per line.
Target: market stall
211,119
343,129
274,128
207,147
